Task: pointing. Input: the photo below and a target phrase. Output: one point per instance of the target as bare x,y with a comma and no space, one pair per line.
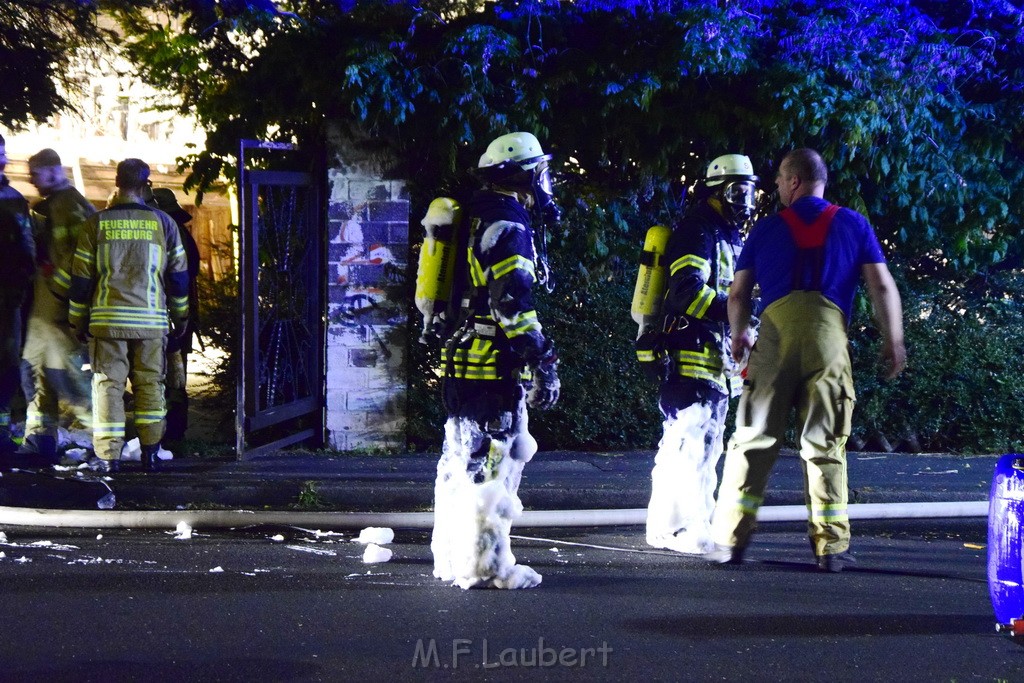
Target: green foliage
309,496
965,339
606,403
916,107
38,44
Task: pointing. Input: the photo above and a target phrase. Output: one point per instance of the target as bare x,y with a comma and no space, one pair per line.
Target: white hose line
169,519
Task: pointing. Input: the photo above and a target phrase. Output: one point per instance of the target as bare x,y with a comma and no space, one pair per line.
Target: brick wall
368,248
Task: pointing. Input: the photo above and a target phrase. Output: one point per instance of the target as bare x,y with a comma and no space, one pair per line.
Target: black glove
546,385
177,338
651,354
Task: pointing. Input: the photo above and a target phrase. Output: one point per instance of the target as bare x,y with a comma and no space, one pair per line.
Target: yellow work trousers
114,361
801,360
55,358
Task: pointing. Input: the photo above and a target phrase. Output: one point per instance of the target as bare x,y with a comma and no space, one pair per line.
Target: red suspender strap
809,236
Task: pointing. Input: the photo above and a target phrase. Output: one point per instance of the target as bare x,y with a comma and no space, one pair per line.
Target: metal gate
281,387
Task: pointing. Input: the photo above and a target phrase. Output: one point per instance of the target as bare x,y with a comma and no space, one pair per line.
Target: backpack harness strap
810,242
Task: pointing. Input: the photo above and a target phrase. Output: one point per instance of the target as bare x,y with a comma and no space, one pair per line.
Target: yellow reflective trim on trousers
84,255
829,512
700,304
749,504
151,417
693,261
521,324
36,418
108,428
506,266
645,356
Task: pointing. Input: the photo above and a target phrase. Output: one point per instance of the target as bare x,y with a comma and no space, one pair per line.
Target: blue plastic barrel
1005,524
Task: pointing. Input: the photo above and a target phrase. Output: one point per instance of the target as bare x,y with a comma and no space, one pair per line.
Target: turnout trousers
476,493
684,479
801,360
55,360
114,361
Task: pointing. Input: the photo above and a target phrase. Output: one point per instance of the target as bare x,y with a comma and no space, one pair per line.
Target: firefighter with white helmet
497,362
687,353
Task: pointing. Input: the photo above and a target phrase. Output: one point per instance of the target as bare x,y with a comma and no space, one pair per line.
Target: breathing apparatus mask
731,177
517,161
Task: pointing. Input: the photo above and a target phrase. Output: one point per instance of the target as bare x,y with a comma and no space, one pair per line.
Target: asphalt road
285,604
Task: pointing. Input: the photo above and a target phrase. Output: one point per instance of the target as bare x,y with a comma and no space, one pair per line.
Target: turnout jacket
129,269
500,334
58,219
701,256
16,244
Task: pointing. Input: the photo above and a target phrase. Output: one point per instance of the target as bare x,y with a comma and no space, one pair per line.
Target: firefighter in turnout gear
129,271
497,362
53,355
689,354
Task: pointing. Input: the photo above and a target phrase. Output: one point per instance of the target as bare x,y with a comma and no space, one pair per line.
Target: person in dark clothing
179,345
694,394
498,362
18,248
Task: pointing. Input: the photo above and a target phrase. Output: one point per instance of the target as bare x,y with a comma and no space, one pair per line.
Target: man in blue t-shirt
808,261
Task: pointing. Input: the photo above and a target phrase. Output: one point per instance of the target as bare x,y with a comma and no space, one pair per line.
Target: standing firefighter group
703,337
90,300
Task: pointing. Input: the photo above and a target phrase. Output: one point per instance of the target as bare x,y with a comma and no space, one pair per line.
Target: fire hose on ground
226,519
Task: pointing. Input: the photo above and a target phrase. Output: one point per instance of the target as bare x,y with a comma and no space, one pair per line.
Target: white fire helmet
518,157
733,175
522,148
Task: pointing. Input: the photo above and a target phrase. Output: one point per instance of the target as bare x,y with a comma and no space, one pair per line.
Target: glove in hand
650,352
546,386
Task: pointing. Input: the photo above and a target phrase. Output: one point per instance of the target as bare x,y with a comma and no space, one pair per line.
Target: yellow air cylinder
650,281
436,269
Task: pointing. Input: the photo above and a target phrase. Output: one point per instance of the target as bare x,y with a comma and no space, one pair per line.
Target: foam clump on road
380,535
183,531
374,554
132,451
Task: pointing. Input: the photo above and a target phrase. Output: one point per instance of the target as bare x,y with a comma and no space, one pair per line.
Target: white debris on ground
277,537
311,551
381,535
132,451
183,531
217,570
76,455
375,554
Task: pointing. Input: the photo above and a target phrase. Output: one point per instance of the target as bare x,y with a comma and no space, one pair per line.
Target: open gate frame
281,387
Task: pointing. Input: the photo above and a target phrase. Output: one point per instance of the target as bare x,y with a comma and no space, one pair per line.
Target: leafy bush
965,341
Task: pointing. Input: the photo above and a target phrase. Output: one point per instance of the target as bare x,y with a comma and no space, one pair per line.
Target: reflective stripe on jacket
701,256
129,270
502,333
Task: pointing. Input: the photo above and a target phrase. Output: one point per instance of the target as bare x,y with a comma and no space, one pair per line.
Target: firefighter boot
149,457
